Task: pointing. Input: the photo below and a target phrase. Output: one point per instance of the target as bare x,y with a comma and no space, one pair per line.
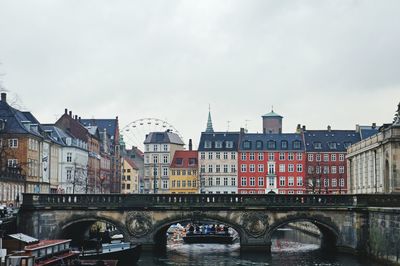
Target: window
282,168
271,145
333,169
210,155
128,177
173,172
165,171
251,156
229,144
233,181
290,156
69,172
12,162
203,155
178,183
243,168
155,148
333,157
271,181
260,168
291,181
332,145
244,156
299,168
296,145
225,156
246,145
310,157
178,172
271,156
225,168
194,183
317,145
165,147
282,181
165,184
326,182
243,181
207,144
217,155
13,143
261,181
225,181
299,156
334,182
299,181
146,148
326,169
271,168
290,167
165,158
318,157
189,172
252,168
218,144
210,181
326,157
155,158
341,169
259,145
69,157
233,156
217,168
218,181
318,169
210,168
341,182
192,161
281,156
284,144
233,168
260,156
202,168
252,181
310,169
341,157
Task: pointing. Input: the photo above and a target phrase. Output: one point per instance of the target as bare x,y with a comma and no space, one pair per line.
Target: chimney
329,128
65,111
79,118
304,128
190,145
373,125
242,131
4,97
76,117
70,113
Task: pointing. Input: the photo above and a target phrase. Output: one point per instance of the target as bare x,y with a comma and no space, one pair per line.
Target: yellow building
130,178
184,173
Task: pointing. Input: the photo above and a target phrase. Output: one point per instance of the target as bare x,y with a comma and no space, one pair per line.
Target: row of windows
156,147
325,156
155,158
218,169
271,156
183,172
218,181
33,144
325,169
332,145
217,155
262,192
272,145
290,181
271,168
208,144
12,143
183,183
317,182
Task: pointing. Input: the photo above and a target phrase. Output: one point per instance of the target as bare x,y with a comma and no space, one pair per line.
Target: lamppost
154,179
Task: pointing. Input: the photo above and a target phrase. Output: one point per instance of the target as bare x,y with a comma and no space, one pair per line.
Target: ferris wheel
135,132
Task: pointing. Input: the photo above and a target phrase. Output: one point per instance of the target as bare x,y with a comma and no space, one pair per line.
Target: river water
289,247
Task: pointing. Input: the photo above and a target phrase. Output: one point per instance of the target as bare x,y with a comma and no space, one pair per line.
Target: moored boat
125,253
218,238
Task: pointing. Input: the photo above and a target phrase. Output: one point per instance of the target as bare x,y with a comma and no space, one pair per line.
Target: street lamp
154,179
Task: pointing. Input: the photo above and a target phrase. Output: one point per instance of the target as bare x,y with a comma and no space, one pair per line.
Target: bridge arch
82,223
160,230
330,233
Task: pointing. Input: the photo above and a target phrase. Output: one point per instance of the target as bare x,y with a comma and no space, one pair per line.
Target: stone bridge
346,222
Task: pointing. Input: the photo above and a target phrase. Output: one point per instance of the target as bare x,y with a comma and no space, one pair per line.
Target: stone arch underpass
148,227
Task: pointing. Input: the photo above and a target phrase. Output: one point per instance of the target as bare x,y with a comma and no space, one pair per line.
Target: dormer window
229,144
218,144
259,144
284,144
271,145
332,145
347,144
179,161
317,145
246,144
192,161
296,145
207,144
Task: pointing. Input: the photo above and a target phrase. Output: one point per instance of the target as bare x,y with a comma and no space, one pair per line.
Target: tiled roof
216,138
109,124
131,162
185,159
163,137
367,131
330,140
259,141
272,114
56,134
15,120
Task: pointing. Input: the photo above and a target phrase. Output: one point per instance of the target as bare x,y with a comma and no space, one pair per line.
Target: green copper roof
209,123
272,114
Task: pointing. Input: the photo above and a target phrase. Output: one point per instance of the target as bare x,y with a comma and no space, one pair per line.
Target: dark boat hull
126,256
217,239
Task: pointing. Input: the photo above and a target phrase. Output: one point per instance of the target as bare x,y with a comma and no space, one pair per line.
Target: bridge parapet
186,201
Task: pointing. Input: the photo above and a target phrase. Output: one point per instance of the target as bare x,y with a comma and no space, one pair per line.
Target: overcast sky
317,62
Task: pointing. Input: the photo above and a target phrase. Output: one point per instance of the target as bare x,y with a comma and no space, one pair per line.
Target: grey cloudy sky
317,62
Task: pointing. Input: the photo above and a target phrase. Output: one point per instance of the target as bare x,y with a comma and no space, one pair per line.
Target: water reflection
289,247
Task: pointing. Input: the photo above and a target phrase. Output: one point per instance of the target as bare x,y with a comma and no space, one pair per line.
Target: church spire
209,128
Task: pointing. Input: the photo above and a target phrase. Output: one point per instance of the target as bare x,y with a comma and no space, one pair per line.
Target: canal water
289,247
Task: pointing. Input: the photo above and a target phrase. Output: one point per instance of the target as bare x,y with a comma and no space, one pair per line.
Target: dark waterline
289,247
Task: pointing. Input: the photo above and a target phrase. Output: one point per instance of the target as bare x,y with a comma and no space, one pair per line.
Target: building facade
130,178
159,150
184,173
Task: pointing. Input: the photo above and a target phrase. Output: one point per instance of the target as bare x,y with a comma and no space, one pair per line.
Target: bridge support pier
265,247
